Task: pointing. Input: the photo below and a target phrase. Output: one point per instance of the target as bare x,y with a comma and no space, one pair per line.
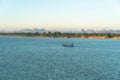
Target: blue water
24,58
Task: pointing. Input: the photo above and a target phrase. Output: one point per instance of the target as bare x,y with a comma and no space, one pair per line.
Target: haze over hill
27,30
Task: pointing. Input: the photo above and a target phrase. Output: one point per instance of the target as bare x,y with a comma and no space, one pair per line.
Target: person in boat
72,45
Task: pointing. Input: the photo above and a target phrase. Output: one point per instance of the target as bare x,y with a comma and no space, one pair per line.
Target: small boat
68,44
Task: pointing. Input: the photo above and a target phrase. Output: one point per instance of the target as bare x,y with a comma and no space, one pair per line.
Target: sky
60,14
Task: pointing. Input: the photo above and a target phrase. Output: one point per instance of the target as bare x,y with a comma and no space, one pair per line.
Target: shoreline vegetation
65,35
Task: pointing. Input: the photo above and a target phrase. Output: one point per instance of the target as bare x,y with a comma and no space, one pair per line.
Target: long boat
68,44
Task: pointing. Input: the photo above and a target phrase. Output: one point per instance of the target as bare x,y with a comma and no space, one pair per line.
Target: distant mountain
87,31
99,31
109,31
2,31
32,30
44,30
25,31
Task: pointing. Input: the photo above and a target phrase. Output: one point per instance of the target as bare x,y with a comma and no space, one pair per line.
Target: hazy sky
60,14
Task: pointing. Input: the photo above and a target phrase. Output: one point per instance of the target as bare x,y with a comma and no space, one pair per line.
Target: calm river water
23,58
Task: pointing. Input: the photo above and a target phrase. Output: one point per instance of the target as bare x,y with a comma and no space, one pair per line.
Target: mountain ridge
42,30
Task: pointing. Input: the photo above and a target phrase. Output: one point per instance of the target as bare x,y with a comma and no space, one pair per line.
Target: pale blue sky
60,14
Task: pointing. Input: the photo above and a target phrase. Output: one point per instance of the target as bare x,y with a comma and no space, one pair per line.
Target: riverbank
65,35
90,37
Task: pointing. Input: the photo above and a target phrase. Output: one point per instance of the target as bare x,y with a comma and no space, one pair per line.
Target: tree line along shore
65,35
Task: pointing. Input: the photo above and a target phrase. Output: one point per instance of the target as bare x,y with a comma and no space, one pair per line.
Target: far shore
65,35
90,37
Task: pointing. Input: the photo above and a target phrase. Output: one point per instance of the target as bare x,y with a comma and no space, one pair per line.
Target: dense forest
64,35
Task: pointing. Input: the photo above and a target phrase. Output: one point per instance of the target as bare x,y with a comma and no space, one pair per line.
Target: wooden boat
68,44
